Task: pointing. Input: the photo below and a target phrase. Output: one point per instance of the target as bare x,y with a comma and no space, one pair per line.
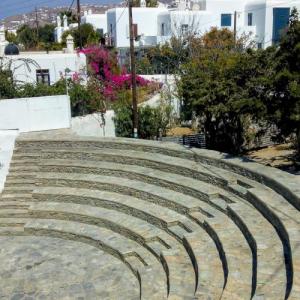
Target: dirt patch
279,156
179,131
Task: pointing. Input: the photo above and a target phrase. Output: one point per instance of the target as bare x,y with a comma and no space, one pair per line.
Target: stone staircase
177,223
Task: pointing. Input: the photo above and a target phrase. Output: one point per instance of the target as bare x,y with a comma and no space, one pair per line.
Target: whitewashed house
43,67
99,21
62,27
262,20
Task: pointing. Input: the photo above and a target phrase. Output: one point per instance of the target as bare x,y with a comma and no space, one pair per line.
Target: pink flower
104,64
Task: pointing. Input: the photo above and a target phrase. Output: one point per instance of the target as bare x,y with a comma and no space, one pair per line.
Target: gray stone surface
52,268
184,223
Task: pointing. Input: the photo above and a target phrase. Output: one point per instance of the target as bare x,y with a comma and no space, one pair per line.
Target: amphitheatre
92,218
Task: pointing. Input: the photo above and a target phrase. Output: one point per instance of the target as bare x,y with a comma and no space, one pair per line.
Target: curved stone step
13,222
268,251
227,181
188,168
112,243
13,205
284,218
91,197
11,230
41,175
27,144
108,165
89,167
133,228
238,255
156,194
210,268
22,189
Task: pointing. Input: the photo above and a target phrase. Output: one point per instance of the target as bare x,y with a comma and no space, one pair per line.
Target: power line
71,5
119,18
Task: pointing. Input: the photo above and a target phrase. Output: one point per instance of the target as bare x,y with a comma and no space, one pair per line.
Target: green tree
284,109
46,34
86,34
27,37
10,37
152,120
224,87
7,85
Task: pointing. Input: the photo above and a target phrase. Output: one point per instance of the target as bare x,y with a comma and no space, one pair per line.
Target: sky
15,7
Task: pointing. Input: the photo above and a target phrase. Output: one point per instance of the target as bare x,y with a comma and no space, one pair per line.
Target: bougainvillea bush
103,65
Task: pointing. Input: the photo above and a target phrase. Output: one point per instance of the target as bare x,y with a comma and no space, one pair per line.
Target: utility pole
133,72
234,28
79,23
37,24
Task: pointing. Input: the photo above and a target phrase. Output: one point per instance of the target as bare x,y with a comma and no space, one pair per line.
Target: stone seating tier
185,223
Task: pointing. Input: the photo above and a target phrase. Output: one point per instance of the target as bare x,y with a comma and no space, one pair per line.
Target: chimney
70,44
65,22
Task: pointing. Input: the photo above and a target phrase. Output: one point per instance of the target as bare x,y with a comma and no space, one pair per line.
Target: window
259,45
250,19
43,76
225,20
162,29
184,29
280,22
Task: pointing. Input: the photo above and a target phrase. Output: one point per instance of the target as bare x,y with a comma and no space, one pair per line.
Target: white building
145,20
263,20
43,67
61,28
99,21
3,42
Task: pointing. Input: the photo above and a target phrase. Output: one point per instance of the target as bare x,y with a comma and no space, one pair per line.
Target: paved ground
52,268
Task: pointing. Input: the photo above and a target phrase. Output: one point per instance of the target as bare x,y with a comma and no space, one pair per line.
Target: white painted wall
270,4
55,62
92,125
7,143
35,114
99,21
145,18
150,20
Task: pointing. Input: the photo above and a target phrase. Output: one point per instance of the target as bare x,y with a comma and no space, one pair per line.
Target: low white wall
92,125
35,114
7,142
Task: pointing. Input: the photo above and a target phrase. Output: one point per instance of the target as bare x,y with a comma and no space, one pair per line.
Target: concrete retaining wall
35,114
92,125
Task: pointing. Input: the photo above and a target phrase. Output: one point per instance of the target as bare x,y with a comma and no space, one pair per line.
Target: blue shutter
250,19
280,22
225,20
